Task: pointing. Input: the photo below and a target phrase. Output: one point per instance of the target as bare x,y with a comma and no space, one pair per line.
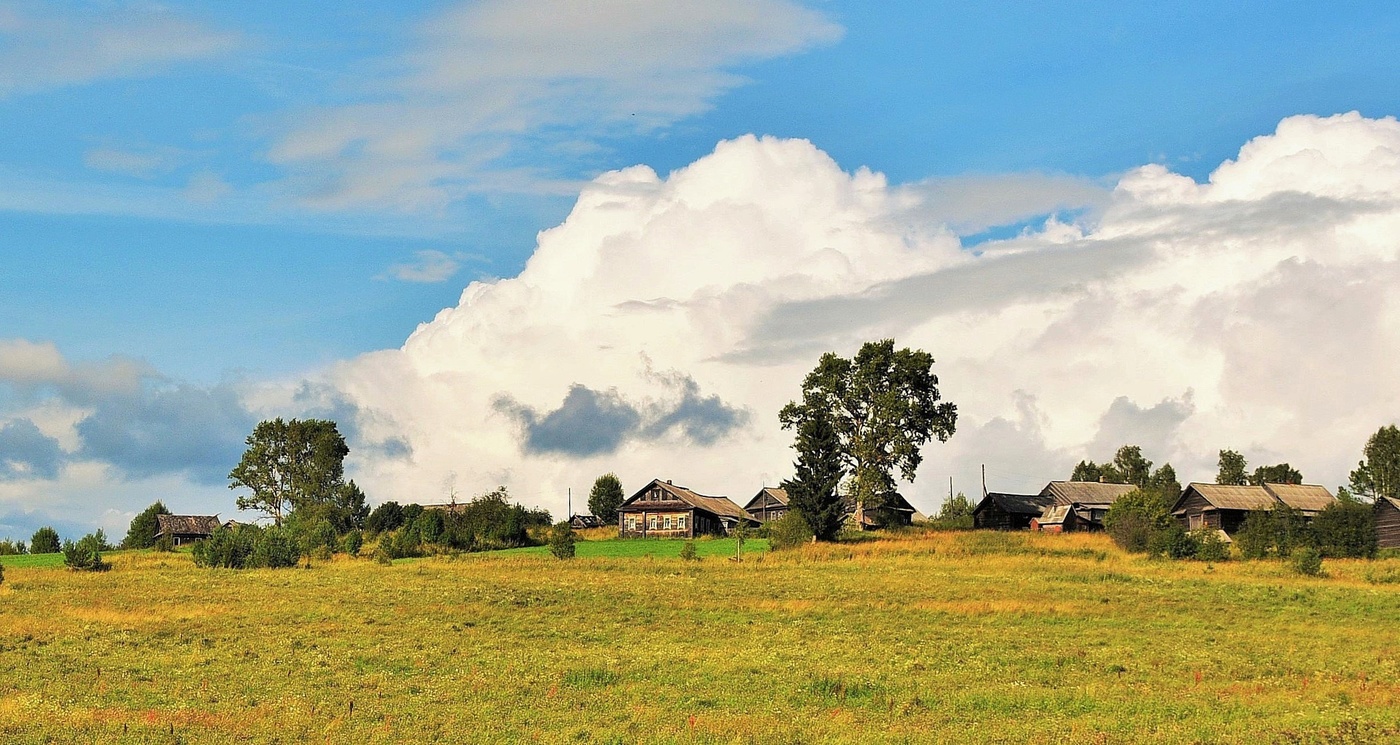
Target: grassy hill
917,638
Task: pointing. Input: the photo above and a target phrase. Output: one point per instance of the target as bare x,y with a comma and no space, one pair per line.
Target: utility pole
570,516
984,480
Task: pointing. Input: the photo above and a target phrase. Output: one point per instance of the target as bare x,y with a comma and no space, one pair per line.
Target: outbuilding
1225,507
1002,511
183,529
770,503
1388,522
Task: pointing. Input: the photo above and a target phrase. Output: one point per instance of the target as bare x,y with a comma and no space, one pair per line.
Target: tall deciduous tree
1378,475
1278,474
289,465
1231,469
605,497
884,406
142,533
814,490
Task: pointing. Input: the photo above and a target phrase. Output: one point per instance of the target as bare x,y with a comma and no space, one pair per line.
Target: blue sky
105,264
214,212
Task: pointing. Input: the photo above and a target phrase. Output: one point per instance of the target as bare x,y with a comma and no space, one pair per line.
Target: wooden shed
770,503
182,529
584,522
662,509
1388,522
1001,511
1084,505
1226,507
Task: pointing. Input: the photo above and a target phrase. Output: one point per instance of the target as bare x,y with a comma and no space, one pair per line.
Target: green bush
1172,541
353,542
275,548
1346,530
688,552
386,517
45,541
561,540
11,548
86,554
1209,546
1307,561
1135,521
1256,536
2,574
164,543
142,533
227,548
788,531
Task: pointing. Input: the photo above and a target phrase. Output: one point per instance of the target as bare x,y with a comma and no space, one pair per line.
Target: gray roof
1094,493
186,524
777,494
1055,514
1303,497
1023,504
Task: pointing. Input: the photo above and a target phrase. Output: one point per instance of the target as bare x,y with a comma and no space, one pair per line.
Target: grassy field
32,560
918,638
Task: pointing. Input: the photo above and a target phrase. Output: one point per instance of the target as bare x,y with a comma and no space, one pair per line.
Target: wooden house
1388,522
894,512
584,522
182,529
663,510
1077,505
1225,507
1000,511
770,503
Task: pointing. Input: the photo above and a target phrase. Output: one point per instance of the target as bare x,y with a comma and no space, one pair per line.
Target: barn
182,529
584,522
1388,522
894,511
770,503
1001,511
1226,507
662,509
1077,505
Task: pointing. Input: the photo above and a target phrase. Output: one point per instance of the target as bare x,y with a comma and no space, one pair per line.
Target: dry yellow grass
916,638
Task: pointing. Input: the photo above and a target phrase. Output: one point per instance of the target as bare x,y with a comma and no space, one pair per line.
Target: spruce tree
142,533
813,490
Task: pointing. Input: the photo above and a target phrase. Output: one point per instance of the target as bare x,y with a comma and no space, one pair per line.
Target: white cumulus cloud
1255,311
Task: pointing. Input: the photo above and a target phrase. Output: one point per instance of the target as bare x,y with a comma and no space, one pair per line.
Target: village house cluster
663,509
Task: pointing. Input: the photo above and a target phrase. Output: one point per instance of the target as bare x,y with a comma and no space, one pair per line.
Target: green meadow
917,637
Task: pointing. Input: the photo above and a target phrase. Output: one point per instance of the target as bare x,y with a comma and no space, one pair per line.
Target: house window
651,522
631,523
667,522
680,523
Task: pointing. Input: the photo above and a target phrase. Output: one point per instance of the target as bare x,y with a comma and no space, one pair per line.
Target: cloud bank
1253,311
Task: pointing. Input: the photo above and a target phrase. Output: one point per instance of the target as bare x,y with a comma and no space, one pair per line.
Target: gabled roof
1021,504
720,506
774,493
1305,497
1229,497
1393,502
186,524
1085,492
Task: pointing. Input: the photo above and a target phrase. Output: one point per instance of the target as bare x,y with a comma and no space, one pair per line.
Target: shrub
788,531
1172,541
688,550
228,548
164,543
353,542
1307,561
429,526
11,548
2,574
400,544
1135,518
86,554
1346,530
1209,546
1256,536
561,540
314,536
45,541
386,517
381,555
275,548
